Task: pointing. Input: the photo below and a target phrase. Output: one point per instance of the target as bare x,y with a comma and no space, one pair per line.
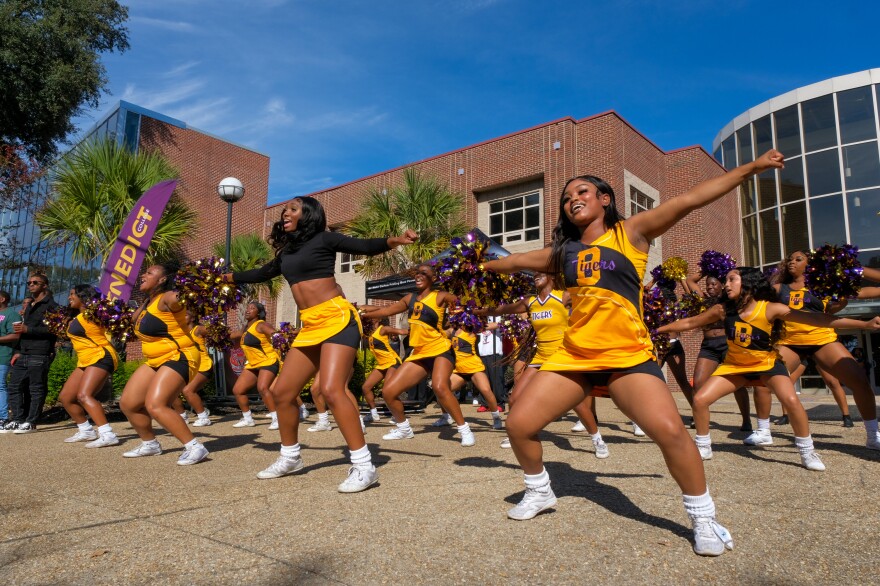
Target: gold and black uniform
750,351
165,340
385,355
91,345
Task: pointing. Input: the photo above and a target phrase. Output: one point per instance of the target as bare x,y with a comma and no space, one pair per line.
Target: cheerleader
263,364
603,259
753,322
469,367
820,343
713,348
191,391
548,312
387,361
305,254
96,359
432,353
172,360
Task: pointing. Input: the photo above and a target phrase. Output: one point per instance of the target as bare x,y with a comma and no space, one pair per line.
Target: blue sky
333,90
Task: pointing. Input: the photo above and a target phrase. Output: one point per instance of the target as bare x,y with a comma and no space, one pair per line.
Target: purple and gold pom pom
689,305
514,328
114,316
462,317
462,274
284,337
658,311
202,290
834,272
217,332
716,264
674,268
57,320
660,280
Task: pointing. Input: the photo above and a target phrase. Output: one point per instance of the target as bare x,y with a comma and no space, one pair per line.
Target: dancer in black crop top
305,254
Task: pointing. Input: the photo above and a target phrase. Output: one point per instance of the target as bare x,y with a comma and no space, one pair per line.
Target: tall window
347,262
515,219
638,201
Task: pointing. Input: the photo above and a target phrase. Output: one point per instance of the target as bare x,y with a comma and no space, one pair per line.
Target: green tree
93,189
50,66
250,251
421,203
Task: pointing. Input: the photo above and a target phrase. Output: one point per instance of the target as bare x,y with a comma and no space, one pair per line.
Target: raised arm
369,246
691,284
265,329
388,331
535,260
871,274
267,272
650,224
504,309
374,312
711,315
819,320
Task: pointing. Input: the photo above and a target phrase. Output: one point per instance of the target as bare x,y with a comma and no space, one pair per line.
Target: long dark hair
754,285
565,230
170,266
261,309
782,275
312,222
85,292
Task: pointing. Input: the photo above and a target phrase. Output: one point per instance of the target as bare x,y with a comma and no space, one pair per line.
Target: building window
516,219
638,201
347,262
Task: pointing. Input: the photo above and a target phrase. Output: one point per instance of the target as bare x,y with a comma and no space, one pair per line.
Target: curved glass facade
829,191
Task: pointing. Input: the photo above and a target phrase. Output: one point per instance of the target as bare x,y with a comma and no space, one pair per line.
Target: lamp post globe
230,190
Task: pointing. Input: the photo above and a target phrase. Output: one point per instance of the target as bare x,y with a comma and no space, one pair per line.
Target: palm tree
421,203
93,189
250,251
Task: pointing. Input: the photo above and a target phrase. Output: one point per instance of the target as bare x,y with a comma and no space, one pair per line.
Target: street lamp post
230,190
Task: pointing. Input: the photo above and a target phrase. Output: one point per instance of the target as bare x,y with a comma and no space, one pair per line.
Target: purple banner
124,262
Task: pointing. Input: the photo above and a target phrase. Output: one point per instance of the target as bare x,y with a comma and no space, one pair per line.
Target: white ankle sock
106,429
463,428
374,412
871,427
290,451
191,443
247,415
597,437
84,426
699,506
404,425
324,417
203,414
274,416
540,480
764,424
184,415
703,440
496,414
804,444
151,443
361,458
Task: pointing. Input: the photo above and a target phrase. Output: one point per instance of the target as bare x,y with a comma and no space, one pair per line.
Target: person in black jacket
34,354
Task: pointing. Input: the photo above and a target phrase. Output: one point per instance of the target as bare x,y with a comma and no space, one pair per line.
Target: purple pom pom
834,272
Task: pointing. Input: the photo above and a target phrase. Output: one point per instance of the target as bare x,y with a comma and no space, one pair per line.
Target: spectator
491,351
36,348
8,340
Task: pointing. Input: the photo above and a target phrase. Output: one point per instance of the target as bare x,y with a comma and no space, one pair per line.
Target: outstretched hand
772,159
407,237
874,324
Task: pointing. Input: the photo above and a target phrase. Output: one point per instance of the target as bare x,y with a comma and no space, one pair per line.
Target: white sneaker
321,426
274,424
185,416
533,502
442,421
398,434
705,451
874,442
108,439
811,461
144,449
303,413
468,439
193,455
601,449
759,437
244,422
710,538
637,431
359,479
82,436
505,443
283,466
201,422
266,415
579,426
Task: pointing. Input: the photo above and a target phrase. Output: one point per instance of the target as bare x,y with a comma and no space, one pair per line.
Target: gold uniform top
164,337
257,347
90,342
426,334
466,360
749,347
380,345
205,362
605,328
549,319
796,334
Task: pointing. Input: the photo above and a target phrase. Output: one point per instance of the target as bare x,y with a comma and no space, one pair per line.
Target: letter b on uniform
742,335
796,300
588,271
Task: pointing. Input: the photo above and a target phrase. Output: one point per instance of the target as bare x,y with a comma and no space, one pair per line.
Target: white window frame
632,182
517,237
348,262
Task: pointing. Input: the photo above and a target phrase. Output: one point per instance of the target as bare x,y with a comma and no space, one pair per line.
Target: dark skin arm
711,315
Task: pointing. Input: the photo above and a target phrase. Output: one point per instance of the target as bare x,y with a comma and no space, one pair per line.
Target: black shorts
349,336
714,349
600,378
273,368
805,351
675,349
180,366
778,368
428,363
105,363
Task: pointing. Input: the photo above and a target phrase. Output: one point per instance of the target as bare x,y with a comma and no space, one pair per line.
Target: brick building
512,185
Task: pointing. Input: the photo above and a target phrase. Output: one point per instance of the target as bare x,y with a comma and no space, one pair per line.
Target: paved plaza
78,516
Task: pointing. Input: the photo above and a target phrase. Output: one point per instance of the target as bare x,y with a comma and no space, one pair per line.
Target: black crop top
315,260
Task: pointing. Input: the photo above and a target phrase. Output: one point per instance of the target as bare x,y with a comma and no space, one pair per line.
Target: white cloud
170,25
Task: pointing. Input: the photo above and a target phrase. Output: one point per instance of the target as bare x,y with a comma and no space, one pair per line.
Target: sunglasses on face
35,282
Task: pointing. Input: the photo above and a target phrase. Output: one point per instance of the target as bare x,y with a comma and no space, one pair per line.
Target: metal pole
228,233
220,373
